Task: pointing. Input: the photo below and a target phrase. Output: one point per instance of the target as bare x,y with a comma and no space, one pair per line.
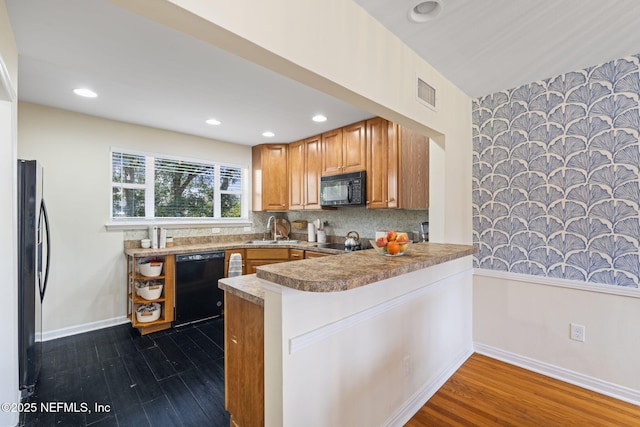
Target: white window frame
116,223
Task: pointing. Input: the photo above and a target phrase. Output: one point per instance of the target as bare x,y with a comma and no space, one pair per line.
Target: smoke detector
425,10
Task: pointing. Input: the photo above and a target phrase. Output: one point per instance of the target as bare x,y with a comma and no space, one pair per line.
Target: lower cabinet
147,321
227,255
263,256
244,361
311,254
296,254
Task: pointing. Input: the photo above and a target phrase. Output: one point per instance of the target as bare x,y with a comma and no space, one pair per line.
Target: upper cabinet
287,176
382,158
270,178
304,173
397,166
344,150
413,169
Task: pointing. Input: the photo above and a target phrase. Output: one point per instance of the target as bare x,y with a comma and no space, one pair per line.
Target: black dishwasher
197,295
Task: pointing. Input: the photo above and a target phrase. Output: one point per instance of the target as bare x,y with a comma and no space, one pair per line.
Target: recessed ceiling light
319,118
213,122
268,134
425,10
87,93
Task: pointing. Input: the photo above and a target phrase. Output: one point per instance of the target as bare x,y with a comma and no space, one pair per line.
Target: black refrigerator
33,270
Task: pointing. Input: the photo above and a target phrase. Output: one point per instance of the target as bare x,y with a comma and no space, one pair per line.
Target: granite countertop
204,247
248,287
340,273
355,269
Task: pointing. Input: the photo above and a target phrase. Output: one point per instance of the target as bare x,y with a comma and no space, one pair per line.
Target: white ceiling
485,46
149,74
152,75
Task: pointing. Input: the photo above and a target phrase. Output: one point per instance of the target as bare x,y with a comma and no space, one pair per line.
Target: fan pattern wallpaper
556,191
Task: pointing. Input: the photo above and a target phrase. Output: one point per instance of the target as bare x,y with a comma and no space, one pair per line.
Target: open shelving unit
165,300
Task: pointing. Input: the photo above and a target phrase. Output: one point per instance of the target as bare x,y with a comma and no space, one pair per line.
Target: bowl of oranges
391,244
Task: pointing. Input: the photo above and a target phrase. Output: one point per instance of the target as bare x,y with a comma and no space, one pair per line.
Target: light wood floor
487,392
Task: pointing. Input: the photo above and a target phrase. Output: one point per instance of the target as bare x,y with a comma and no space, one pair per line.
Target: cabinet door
227,255
309,254
413,170
270,178
354,148
377,163
313,163
297,181
296,254
332,152
244,361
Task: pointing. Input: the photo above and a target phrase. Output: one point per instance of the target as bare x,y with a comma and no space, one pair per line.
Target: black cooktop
363,245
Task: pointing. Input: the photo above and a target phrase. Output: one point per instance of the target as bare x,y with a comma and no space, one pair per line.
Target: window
147,186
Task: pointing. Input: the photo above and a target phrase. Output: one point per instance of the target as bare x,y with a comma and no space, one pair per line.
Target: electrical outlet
577,332
406,368
215,230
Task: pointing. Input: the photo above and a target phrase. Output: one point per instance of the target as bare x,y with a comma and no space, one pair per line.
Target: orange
393,248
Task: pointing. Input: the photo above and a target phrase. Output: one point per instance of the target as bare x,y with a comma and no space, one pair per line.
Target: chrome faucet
272,218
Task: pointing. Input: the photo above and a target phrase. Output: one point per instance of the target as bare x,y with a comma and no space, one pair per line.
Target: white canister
322,236
311,228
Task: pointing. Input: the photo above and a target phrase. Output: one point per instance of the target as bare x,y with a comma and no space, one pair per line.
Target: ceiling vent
426,94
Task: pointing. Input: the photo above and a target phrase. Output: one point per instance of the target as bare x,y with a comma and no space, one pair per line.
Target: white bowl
144,315
150,269
149,292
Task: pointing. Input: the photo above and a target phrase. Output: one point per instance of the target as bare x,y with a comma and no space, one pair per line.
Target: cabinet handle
295,255
234,339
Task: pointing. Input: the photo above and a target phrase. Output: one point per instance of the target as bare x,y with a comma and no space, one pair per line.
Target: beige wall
8,49
88,269
8,218
532,320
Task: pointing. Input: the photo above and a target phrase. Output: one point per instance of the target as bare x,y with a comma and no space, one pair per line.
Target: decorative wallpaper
556,191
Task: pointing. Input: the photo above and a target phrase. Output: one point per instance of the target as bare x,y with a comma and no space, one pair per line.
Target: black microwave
347,189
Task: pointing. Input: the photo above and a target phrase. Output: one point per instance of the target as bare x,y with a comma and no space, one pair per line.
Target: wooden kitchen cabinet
296,254
311,254
227,255
413,169
264,256
305,169
397,166
270,177
344,150
165,300
244,361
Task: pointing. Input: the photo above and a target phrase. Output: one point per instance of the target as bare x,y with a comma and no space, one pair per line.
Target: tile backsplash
364,221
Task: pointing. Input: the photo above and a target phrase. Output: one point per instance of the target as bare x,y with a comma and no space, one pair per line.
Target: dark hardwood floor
488,392
169,378
176,378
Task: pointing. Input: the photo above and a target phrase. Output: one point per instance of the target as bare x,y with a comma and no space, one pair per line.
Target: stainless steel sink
271,242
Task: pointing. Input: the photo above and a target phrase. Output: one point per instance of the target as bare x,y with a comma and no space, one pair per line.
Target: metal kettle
350,240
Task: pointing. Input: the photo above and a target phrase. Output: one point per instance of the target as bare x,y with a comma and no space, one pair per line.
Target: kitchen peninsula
357,339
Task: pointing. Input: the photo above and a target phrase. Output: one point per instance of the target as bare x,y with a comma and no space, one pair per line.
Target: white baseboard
417,401
590,383
86,327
